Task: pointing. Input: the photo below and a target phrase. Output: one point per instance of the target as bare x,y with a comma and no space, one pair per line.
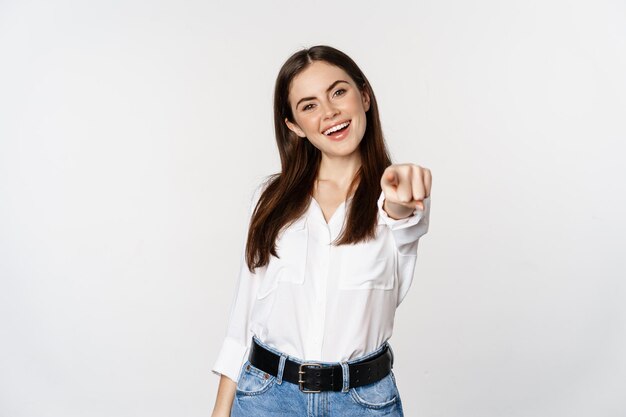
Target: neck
339,170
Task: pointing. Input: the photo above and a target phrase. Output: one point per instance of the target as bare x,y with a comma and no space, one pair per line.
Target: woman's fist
405,187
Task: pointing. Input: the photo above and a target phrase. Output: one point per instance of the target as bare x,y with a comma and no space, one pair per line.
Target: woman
330,254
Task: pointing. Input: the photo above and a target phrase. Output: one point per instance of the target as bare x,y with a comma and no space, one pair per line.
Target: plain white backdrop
133,133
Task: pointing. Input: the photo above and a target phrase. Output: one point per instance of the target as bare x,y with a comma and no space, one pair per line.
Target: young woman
330,254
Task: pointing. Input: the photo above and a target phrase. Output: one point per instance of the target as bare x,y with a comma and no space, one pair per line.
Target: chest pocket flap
369,265
290,266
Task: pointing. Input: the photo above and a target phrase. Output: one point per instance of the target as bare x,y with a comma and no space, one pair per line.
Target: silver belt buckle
301,372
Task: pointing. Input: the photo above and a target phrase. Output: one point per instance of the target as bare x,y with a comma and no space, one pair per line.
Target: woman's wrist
396,211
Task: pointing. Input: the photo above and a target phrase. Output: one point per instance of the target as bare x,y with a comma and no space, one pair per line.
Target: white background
132,134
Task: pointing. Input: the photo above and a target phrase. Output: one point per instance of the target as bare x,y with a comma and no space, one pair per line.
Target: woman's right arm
236,343
225,396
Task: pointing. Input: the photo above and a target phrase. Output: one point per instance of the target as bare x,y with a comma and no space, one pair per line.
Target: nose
330,111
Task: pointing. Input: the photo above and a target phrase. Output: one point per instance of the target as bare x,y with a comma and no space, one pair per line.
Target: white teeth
336,128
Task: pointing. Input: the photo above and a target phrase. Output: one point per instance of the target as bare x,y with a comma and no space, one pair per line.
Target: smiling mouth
336,129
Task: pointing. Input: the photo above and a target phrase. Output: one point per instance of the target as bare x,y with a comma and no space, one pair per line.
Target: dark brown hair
286,195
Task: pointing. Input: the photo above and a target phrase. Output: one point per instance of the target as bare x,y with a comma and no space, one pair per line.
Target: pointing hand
405,187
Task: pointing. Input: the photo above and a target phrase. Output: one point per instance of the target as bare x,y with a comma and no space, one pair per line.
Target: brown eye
343,91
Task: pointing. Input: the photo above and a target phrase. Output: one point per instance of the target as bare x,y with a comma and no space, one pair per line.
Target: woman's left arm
404,206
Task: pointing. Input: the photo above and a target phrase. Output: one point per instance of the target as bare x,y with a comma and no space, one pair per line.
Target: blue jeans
262,394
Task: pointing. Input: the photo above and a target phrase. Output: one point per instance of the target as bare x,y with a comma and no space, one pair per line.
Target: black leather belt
312,377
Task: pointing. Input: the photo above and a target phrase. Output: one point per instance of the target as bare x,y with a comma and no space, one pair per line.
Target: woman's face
324,96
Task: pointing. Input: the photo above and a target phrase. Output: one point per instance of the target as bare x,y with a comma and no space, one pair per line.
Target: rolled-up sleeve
236,344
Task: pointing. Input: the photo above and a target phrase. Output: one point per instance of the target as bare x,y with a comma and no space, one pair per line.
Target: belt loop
346,376
281,368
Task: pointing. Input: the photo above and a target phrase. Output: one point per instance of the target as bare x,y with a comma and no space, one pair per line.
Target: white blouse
319,301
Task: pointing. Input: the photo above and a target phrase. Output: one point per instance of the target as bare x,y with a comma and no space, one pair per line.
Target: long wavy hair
287,194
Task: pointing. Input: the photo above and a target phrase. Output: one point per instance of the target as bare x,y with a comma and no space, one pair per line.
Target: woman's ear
295,128
366,100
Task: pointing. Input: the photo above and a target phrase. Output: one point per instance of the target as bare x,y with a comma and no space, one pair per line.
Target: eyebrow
327,90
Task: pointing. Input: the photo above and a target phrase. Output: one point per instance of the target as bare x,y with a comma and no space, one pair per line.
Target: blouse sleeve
406,233
236,344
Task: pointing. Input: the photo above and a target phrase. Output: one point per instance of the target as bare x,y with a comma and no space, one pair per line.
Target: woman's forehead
316,78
